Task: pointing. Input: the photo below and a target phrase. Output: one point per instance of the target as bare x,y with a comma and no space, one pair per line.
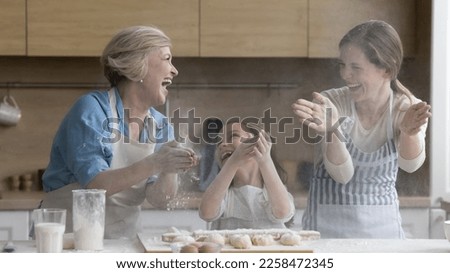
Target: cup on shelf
49,227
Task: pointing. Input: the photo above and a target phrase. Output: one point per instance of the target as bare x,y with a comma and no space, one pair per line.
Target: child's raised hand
244,151
262,147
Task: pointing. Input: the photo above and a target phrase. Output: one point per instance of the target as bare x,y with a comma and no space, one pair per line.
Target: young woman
248,191
353,193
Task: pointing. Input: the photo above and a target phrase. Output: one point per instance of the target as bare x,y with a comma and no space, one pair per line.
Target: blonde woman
115,140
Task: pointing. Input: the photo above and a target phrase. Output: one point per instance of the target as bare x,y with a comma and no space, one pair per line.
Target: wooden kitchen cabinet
253,28
12,28
83,27
329,20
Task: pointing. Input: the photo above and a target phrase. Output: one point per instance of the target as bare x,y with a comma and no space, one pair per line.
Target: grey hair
125,56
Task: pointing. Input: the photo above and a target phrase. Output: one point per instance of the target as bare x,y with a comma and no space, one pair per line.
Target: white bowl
447,229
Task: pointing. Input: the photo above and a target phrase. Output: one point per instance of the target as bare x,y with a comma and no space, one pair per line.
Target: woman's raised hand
173,158
416,115
315,113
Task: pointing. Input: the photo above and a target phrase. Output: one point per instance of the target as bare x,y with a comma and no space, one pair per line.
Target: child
248,191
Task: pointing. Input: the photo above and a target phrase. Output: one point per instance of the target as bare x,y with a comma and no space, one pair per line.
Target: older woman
353,193
114,140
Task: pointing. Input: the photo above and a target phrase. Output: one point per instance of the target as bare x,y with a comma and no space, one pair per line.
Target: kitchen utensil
10,113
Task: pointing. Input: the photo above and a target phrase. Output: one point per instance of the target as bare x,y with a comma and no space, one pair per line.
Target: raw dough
290,239
215,238
263,240
241,241
183,239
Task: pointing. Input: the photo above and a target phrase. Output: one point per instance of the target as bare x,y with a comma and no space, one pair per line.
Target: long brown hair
382,46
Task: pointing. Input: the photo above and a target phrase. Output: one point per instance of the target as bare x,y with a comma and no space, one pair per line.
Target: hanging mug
10,113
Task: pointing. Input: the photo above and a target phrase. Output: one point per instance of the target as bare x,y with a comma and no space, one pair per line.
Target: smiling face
232,137
364,79
160,74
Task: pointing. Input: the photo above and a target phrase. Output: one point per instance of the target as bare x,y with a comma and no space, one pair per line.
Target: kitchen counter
187,200
317,246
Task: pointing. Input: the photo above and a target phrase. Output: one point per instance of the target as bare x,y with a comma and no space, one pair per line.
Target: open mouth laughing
225,156
166,82
353,86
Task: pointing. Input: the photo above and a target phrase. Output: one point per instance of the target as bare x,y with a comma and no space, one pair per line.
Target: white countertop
380,245
318,246
110,246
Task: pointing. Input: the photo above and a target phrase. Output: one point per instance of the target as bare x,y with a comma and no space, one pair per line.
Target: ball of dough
241,241
290,239
263,240
184,239
191,248
215,238
209,247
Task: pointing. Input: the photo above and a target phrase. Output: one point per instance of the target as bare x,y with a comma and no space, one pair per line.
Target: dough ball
241,241
191,248
209,247
183,239
263,240
290,239
215,238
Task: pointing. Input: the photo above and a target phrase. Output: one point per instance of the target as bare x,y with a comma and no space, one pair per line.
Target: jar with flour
88,219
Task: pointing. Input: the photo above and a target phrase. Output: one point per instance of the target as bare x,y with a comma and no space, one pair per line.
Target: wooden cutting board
154,244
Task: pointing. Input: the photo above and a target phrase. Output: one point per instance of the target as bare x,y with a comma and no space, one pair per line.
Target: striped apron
367,206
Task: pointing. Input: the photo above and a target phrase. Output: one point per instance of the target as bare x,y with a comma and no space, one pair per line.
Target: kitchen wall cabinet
14,225
198,28
83,27
12,27
329,20
253,28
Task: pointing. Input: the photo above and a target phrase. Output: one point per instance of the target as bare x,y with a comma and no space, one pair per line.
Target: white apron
246,207
123,208
367,206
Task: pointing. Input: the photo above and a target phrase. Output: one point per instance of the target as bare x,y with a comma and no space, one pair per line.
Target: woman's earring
141,81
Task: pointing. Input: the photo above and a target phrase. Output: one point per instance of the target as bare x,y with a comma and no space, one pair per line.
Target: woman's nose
174,71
